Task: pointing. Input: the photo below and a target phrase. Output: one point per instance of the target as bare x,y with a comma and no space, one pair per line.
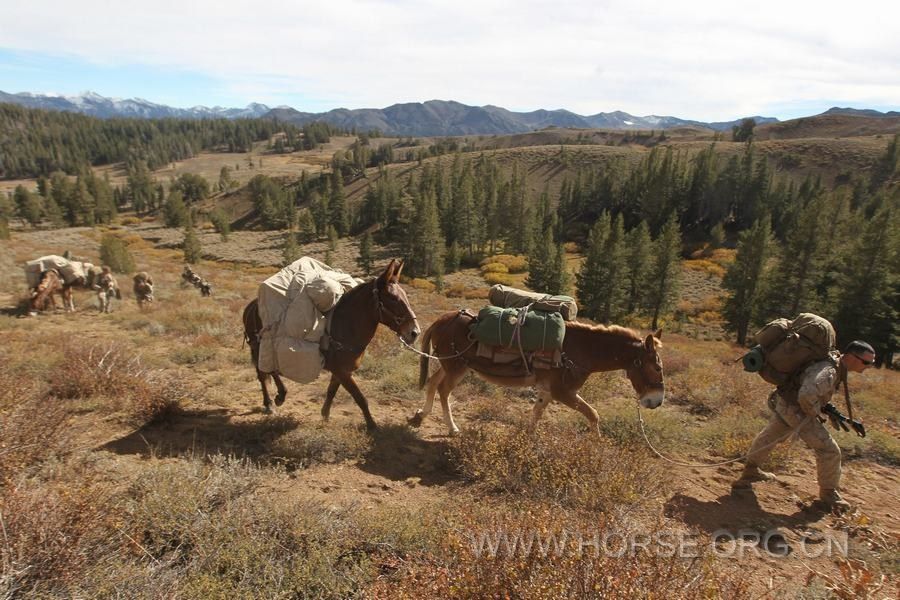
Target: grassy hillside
826,126
136,462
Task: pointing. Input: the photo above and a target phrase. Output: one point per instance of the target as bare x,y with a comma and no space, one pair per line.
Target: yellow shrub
422,284
513,263
503,278
494,267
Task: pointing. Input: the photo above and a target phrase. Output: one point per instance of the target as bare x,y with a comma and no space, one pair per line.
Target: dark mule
51,283
353,325
586,349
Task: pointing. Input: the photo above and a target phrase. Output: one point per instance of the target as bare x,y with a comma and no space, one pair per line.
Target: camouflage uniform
791,407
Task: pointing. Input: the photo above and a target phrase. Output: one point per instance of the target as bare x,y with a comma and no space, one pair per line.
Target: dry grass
464,568
198,523
110,371
574,470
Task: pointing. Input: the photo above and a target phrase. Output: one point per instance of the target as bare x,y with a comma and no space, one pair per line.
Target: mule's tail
423,360
252,325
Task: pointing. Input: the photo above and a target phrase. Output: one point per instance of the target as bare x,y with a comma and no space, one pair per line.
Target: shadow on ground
398,454
734,511
204,432
395,452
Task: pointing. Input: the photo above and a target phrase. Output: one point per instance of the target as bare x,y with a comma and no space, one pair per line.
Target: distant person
143,289
107,288
800,405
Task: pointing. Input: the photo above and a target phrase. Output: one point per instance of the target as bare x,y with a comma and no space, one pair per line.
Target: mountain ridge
430,118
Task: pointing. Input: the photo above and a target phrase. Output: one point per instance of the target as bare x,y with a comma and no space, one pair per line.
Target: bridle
383,310
638,364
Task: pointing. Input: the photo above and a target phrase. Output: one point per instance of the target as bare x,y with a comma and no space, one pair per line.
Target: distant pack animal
107,288
68,273
586,349
42,296
188,277
143,288
353,323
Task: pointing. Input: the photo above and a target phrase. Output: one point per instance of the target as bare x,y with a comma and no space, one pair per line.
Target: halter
382,309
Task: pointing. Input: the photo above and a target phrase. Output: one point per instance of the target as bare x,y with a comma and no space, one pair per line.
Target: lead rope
718,464
432,356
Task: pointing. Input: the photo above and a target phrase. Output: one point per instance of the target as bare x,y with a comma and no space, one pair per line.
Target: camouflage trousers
787,416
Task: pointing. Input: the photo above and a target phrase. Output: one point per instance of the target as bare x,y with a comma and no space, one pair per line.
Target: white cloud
704,60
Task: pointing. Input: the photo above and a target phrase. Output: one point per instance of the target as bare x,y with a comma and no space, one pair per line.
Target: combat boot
832,500
750,475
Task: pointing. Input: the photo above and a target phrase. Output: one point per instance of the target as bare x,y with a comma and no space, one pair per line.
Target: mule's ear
650,343
388,271
397,272
658,334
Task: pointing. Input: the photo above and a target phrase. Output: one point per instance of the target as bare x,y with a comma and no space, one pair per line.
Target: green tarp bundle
501,327
510,297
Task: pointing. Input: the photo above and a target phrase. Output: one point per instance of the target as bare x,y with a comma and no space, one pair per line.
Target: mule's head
393,305
646,372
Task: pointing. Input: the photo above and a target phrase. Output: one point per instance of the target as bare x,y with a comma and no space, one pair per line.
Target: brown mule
353,324
51,283
586,349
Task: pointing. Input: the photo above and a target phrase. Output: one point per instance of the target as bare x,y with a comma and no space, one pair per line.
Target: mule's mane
614,330
352,292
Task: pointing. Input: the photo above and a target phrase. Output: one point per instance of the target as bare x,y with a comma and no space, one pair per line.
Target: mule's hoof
415,420
268,410
279,399
371,427
454,432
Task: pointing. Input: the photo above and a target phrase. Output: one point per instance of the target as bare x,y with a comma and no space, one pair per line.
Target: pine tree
332,238
191,244
175,213
612,290
337,206
541,262
82,202
453,258
28,206
639,248
717,236
800,267
665,273
868,305
364,260
746,277
589,279
54,212
225,180
114,254
559,279
306,227
426,242
290,250
221,223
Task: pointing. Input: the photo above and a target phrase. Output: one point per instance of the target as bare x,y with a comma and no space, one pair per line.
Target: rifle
839,421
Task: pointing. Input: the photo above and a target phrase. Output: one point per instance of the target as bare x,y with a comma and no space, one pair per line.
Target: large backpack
785,347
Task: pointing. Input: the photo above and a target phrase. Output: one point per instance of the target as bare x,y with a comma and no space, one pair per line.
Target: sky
702,60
